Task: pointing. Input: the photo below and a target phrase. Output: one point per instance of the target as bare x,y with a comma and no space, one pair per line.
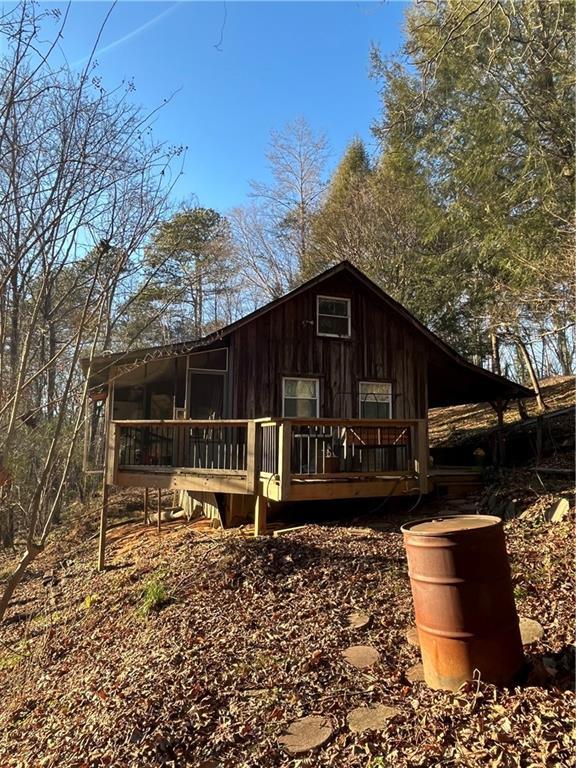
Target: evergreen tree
336,233
485,104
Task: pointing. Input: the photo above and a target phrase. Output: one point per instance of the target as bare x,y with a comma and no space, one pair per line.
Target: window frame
390,397
300,378
348,317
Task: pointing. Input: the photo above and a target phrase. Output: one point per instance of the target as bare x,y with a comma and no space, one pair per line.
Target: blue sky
235,71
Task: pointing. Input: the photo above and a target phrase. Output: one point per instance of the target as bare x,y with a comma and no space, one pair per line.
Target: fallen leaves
253,642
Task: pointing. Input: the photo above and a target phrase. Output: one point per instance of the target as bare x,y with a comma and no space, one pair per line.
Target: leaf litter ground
243,636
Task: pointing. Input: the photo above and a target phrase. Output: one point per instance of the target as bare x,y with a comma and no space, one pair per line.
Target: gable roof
466,382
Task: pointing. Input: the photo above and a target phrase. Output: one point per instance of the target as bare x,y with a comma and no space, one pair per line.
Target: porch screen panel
206,395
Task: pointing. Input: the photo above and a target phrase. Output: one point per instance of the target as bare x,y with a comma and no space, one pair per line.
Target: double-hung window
333,317
375,400
300,398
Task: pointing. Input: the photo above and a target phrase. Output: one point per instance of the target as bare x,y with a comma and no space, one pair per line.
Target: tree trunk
32,551
564,352
14,330
6,519
496,366
532,373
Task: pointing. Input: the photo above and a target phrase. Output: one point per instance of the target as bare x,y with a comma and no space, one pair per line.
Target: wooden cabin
320,394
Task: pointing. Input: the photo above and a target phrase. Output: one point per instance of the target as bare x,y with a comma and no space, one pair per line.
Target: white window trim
299,378
360,383
334,335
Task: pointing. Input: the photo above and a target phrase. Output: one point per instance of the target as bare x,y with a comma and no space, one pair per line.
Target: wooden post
500,406
103,525
107,475
539,438
159,505
284,457
146,506
87,435
422,455
253,437
260,511
111,466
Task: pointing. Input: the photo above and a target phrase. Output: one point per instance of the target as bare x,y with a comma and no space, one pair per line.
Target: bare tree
82,184
272,234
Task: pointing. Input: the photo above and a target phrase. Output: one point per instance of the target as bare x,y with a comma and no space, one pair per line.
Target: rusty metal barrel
463,600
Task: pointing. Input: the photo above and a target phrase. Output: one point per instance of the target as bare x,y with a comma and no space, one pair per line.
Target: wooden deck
276,459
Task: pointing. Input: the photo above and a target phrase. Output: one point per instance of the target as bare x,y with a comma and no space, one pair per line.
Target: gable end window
375,399
300,398
333,317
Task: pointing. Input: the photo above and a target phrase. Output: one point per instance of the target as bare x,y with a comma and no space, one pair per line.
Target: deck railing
276,451
203,445
337,448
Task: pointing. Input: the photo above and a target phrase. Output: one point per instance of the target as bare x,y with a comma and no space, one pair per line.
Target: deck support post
500,406
422,455
159,508
146,506
109,473
103,526
260,513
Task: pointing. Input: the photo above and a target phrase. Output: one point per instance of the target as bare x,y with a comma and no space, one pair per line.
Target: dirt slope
247,635
460,423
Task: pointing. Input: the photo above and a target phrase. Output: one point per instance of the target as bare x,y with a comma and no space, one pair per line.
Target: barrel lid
439,526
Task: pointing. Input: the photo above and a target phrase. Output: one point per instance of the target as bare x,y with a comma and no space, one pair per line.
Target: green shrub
154,596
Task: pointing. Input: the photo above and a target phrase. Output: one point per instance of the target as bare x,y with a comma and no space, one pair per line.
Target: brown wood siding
284,342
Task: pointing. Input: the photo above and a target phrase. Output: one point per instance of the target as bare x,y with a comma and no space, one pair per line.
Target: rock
416,673
358,620
361,656
530,631
373,718
306,734
412,637
359,531
558,511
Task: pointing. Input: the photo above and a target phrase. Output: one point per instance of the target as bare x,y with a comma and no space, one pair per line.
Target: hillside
200,647
462,424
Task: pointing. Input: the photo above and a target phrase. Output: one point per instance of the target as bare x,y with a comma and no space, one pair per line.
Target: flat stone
530,631
370,718
415,673
358,620
361,656
558,511
412,637
306,734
